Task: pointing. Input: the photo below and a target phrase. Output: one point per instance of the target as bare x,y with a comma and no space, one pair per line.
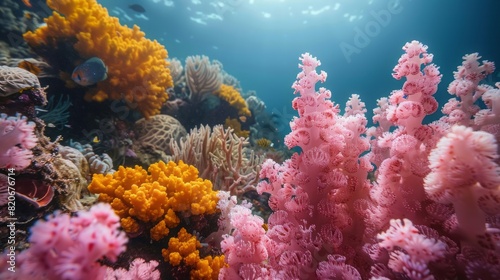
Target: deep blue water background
259,41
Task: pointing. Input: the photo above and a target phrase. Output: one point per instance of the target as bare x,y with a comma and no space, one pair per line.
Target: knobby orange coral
137,67
184,250
233,97
154,199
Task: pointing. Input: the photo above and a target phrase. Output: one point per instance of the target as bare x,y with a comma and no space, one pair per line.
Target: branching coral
183,250
137,67
220,156
155,199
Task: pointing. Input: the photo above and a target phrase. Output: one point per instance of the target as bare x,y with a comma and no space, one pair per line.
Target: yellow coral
233,97
236,126
155,197
137,67
185,248
263,143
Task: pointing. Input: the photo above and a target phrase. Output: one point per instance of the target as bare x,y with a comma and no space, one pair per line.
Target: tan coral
15,79
220,156
202,77
157,131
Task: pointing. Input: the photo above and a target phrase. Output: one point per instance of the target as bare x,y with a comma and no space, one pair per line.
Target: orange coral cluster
236,126
137,67
233,97
184,250
153,199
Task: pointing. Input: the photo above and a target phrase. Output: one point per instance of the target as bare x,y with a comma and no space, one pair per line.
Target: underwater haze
357,41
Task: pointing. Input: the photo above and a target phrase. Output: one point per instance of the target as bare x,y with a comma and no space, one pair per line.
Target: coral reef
183,250
138,270
155,199
221,157
202,77
156,133
430,213
66,247
81,29
16,141
20,92
233,97
235,125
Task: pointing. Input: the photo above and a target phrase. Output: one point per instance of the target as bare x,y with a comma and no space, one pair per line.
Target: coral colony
403,199
429,214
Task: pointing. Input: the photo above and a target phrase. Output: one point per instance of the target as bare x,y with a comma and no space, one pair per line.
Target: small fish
27,3
243,118
51,125
138,8
90,72
96,140
26,65
28,15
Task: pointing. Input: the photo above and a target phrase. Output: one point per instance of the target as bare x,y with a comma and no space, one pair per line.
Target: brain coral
155,199
137,67
157,131
15,79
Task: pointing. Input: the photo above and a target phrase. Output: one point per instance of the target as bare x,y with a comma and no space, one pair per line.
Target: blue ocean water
357,41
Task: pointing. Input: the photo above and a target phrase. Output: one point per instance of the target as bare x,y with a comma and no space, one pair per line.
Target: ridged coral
137,67
183,250
156,198
221,156
233,97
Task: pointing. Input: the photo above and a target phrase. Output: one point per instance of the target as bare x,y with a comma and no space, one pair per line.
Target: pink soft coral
410,251
464,172
16,140
139,270
65,247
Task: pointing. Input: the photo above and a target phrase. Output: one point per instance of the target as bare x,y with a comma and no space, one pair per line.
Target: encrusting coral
233,97
183,250
155,199
137,67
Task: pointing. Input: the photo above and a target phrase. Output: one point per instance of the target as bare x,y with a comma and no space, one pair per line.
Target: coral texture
17,138
183,250
15,79
156,132
66,247
137,67
221,157
429,211
202,77
155,199
138,270
233,97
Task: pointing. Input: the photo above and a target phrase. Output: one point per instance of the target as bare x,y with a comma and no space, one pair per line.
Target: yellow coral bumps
137,67
184,250
154,198
233,97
